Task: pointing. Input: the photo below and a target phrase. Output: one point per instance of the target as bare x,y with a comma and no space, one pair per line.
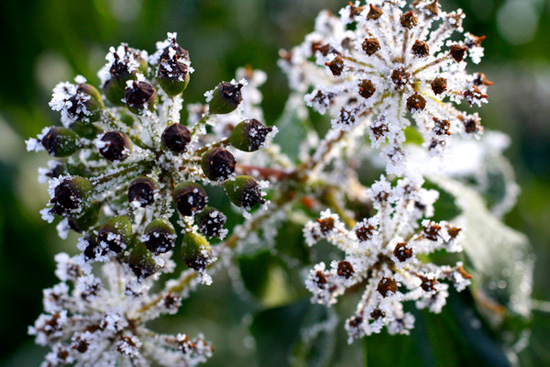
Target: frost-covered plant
130,177
119,172
389,69
382,251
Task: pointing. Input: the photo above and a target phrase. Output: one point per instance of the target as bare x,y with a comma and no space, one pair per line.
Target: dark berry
189,198
159,236
211,222
70,196
176,138
115,146
218,164
140,96
141,191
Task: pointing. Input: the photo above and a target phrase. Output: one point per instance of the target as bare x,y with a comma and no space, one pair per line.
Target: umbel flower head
391,69
130,176
384,254
99,321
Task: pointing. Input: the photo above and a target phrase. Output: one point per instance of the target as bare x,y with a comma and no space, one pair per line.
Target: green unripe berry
115,89
86,129
173,76
159,236
141,260
244,191
87,104
225,98
140,96
196,251
189,198
61,142
127,118
86,220
115,234
218,164
70,196
249,135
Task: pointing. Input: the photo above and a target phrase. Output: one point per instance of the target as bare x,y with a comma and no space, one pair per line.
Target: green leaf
290,242
300,334
317,342
456,337
445,207
264,276
292,130
276,330
412,136
500,257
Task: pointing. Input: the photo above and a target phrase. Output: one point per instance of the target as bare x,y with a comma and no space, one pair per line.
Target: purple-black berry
141,191
190,198
115,146
176,138
218,164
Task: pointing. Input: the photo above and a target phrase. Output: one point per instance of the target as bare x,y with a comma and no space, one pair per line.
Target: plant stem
221,143
200,124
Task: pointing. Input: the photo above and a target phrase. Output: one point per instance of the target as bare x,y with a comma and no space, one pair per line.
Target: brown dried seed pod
420,49
366,89
409,20
386,286
458,52
439,85
336,66
374,12
402,251
400,77
345,269
416,103
371,45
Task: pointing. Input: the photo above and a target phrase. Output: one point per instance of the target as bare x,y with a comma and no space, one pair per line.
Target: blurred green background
47,41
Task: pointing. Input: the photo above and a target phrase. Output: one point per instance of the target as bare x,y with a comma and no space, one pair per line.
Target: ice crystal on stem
382,254
391,69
